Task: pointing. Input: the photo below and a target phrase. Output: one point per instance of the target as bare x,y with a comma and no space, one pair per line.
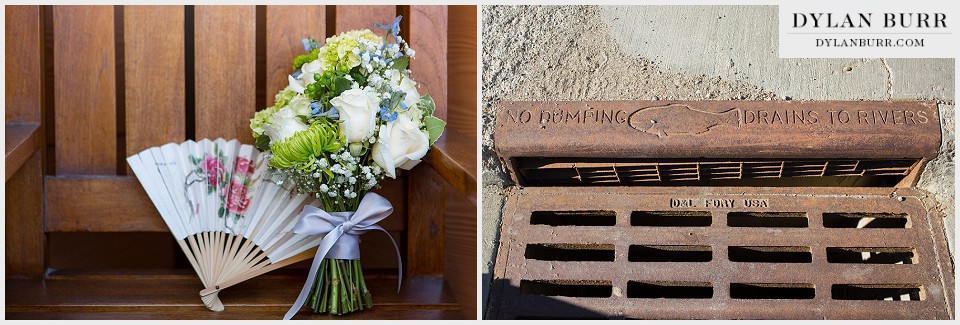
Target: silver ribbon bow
341,239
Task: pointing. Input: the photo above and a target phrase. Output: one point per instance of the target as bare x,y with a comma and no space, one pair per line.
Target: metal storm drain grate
719,210
730,253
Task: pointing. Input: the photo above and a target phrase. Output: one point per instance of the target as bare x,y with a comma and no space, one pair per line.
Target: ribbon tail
325,245
397,249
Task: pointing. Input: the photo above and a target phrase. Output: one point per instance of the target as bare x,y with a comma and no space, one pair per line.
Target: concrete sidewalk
681,52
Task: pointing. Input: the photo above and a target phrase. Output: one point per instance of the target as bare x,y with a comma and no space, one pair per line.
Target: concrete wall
680,52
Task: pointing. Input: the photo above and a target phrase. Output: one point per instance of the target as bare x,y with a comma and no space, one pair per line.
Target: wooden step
174,294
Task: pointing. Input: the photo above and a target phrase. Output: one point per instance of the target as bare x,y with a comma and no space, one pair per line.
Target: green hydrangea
283,98
338,52
262,118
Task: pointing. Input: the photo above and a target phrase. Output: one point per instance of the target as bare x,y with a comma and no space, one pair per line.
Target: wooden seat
89,85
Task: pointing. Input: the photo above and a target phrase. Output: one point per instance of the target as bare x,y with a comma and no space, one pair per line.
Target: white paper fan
230,216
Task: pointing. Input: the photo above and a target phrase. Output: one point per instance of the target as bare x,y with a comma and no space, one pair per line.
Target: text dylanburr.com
881,29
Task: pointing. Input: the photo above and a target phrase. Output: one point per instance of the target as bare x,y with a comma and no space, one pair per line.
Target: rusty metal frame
933,269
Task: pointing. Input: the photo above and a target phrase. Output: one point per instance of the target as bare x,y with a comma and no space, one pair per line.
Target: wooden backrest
101,83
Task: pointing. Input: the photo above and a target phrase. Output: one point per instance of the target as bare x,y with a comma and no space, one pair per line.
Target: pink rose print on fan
243,167
237,201
214,169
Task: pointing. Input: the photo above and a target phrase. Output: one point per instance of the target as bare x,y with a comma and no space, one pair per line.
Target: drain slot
772,291
770,254
567,288
671,219
865,220
871,255
574,218
767,219
892,292
670,290
571,252
669,253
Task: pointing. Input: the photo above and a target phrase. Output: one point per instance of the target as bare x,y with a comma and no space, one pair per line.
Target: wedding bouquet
350,116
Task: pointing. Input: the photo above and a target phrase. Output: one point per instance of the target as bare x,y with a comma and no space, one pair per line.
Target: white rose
294,84
401,144
358,110
408,86
300,105
285,123
307,70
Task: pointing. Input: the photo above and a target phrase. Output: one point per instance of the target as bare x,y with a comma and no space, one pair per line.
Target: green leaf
221,212
263,142
340,85
434,127
400,63
427,105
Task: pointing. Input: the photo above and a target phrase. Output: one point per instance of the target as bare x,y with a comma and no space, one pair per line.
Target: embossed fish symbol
674,119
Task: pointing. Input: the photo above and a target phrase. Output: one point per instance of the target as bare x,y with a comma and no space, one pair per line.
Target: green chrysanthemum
319,139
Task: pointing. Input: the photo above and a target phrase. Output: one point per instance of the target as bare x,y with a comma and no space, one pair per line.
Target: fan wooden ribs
767,280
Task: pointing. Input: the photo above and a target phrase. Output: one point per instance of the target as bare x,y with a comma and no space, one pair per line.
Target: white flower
358,113
324,188
294,84
285,124
401,145
300,105
408,86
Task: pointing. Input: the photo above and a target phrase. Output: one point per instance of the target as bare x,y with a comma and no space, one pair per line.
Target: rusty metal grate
720,253
617,172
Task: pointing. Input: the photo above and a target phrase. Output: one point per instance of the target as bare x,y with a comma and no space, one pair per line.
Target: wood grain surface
121,295
363,17
428,36
425,225
23,46
225,66
462,71
154,74
85,90
24,235
286,26
22,141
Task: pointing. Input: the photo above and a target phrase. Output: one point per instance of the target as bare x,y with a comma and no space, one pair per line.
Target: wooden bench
88,86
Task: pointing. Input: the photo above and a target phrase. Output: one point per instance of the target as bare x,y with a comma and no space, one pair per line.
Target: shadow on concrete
507,301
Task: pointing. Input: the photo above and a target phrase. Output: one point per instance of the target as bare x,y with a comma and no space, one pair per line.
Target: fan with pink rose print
230,214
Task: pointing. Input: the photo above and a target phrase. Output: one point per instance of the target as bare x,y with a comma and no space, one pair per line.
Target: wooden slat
174,296
454,157
428,36
23,51
22,140
425,229
286,26
154,76
99,204
363,17
225,61
85,90
460,249
462,105
24,221
114,204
